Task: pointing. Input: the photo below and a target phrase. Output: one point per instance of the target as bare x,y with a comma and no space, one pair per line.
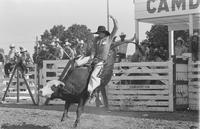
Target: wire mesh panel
194,84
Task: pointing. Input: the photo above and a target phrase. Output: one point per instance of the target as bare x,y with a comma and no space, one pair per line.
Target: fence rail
144,86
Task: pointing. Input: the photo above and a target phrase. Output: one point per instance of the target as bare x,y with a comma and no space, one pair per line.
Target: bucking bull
73,89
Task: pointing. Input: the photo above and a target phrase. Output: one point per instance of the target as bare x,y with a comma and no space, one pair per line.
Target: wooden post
137,30
171,84
108,15
191,25
28,89
17,85
37,73
169,44
171,41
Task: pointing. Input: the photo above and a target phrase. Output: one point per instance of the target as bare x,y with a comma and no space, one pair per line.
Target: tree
73,34
80,32
158,35
59,32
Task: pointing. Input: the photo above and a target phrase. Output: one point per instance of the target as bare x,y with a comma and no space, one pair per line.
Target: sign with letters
161,8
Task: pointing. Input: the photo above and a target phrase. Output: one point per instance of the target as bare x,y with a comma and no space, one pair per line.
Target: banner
162,8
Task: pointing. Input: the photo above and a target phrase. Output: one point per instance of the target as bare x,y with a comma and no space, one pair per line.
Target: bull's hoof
47,101
75,124
63,119
48,104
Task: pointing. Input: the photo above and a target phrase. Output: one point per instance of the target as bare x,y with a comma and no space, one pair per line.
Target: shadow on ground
23,126
177,115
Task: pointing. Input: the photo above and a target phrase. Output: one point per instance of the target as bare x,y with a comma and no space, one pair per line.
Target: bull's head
50,88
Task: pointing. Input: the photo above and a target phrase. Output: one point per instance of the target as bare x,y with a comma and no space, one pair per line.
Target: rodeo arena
61,86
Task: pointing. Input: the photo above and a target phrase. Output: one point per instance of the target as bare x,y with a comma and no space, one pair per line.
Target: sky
22,20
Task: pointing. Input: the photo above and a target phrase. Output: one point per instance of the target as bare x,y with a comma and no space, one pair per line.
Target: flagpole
108,15
37,71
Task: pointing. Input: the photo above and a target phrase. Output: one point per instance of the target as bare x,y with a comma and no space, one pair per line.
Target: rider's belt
98,59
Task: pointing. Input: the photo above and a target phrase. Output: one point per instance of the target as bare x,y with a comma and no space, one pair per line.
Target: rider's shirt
102,47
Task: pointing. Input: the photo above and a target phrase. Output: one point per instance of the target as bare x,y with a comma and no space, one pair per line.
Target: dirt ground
28,116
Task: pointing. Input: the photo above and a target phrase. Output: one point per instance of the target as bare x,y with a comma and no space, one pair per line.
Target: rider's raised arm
119,42
115,28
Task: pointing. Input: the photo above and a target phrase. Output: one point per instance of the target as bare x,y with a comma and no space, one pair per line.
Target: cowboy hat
53,44
12,46
102,29
180,39
122,34
67,43
21,47
196,34
81,42
55,39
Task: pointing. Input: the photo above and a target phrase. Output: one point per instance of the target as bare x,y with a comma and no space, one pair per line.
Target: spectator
179,47
22,59
26,58
137,56
58,49
42,55
55,52
67,50
2,58
10,62
163,53
151,54
122,48
80,48
195,46
144,50
157,55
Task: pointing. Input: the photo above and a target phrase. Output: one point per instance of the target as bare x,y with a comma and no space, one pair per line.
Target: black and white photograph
99,64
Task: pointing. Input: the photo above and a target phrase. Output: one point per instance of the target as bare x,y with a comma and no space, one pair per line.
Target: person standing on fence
2,57
10,61
42,55
25,56
195,47
25,59
69,51
54,50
